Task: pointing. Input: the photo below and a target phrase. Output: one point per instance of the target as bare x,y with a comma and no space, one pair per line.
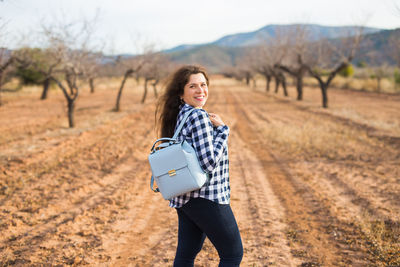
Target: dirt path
259,213
341,197
309,187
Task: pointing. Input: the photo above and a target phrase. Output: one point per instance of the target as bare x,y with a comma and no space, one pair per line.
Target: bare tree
92,69
150,65
329,58
130,66
156,67
262,63
242,71
298,71
245,68
267,56
231,72
293,62
279,79
69,47
48,71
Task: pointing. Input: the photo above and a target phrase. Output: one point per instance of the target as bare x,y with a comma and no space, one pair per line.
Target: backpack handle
171,141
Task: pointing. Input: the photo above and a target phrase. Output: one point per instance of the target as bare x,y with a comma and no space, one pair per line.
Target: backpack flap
167,160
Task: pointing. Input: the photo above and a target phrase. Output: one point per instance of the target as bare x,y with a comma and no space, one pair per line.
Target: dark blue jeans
200,218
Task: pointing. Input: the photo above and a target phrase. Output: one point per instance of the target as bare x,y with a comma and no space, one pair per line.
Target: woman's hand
216,119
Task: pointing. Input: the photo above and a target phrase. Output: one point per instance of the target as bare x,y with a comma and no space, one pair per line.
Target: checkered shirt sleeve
211,146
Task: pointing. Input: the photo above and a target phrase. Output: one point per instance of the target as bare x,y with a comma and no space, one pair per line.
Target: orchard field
310,186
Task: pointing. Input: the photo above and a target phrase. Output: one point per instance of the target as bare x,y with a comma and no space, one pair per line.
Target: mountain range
224,51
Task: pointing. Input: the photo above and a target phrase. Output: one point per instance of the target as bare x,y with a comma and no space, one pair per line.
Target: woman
203,212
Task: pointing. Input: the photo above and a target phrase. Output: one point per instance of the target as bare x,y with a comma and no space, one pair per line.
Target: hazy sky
169,23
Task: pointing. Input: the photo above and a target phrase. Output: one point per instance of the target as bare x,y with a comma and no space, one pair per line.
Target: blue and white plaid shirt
211,146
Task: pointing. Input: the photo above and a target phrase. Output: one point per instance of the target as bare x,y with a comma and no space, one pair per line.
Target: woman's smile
195,92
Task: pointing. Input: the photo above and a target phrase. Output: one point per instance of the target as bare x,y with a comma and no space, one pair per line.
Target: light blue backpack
175,166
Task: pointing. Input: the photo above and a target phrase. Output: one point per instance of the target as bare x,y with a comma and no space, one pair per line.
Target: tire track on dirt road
85,197
358,195
146,224
150,229
49,138
372,185
115,184
29,117
34,168
33,237
308,218
260,215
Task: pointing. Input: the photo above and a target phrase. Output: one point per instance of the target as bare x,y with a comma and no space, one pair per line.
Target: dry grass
365,84
383,237
316,138
353,83
354,115
334,142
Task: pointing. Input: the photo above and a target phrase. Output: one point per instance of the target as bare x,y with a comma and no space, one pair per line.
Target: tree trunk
155,89
299,87
268,80
325,85
324,91
46,85
285,92
71,108
117,104
277,82
247,79
91,84
145,91
298,75
70,97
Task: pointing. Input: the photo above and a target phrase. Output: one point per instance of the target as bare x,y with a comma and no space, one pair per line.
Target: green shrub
347,72
321,71
29,73
29,76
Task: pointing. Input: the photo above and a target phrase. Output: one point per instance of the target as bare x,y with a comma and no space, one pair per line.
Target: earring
182,102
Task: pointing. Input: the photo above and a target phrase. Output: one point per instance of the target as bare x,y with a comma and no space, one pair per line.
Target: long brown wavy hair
171,100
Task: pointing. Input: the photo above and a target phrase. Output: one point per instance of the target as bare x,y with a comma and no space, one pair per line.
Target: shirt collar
185,107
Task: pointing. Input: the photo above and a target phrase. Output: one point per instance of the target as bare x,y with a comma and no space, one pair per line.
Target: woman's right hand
216,119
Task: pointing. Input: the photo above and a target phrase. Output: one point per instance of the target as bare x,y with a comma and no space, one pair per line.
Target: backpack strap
178,130
152,185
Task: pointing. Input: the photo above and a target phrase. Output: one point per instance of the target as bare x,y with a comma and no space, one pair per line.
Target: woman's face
195,92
